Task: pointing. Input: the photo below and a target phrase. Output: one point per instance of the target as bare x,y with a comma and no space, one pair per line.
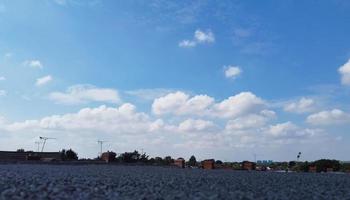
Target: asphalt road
137,182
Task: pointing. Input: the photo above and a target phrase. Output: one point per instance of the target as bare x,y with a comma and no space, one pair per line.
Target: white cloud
123,119
78,94
2,78
187,43
3,93
34,64
302,106
329,117
345,73
204,36
180,103
200,37
195,125
127,129
43,80
250,121
291,131
238,105
232,71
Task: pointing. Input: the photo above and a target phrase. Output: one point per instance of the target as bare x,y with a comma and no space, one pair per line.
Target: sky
228,80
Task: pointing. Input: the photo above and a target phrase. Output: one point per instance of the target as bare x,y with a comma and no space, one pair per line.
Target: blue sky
221,79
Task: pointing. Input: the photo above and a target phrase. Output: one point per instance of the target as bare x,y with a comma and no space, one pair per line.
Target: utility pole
44,139
100,142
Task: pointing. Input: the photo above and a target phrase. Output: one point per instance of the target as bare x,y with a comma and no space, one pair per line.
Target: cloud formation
344,71
2,78
34,64
80,94
43,80
329,117
200,37
232,71
180,103
304,105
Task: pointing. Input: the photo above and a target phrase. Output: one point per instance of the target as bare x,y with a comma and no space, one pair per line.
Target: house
208,164
108,156
8,156
312,169
180,162
247,165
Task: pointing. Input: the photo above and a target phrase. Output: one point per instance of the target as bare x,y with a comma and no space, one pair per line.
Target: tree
129,157
218,162
69,155
292,164
144,158
192,162
168,160
158,160
323,164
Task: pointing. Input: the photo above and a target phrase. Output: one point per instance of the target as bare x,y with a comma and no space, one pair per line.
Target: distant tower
37,143
44,139
100,142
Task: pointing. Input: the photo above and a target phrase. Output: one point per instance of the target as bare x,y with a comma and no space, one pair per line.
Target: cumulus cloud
302,106
251,121
238,105
2,78
180,103
204,36
126,129
43,80
78,94
34,64
232,71
200,37
123,119
195,125
290,130
344,71
329,117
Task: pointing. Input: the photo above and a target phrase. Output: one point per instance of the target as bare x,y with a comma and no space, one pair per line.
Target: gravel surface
138,182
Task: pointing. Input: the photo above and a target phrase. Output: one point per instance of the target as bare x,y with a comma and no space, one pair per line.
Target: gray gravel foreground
145,182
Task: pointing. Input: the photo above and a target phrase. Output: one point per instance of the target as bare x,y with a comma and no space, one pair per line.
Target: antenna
100,142
38,144
44,139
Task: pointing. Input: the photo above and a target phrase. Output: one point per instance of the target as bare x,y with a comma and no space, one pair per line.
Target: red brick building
108,156
246,165
208,164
